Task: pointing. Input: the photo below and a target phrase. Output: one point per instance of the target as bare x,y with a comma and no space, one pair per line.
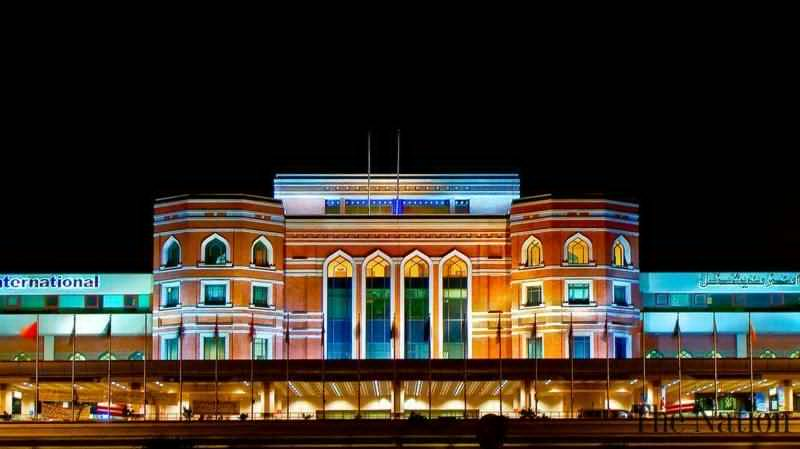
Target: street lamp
499,355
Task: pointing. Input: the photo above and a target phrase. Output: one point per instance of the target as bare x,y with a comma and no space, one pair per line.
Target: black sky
706,143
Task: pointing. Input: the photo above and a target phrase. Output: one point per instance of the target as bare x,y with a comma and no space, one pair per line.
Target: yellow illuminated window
340,268
619,255
533,254
416,268
378,268
578,252
455,268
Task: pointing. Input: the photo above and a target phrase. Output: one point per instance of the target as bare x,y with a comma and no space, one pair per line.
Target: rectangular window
261,349
582,347
578,292
262,296
461,207
212,351
620,347
533,296
172,295
332,207
171,349
620,295
535,348
215,294
700,300
662,300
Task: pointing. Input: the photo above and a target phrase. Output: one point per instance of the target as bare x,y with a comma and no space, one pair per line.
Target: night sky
711,159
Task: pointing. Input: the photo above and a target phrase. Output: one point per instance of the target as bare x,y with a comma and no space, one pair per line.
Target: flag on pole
605,329
676,331
30,331
570,338
216,326
752,332
180,328
252,326
107,329
72,334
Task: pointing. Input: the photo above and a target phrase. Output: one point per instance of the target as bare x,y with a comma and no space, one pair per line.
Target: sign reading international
55,281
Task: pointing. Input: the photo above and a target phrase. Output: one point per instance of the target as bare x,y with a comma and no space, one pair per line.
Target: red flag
605,329
216,326
30,331
752,333
252,326
180,327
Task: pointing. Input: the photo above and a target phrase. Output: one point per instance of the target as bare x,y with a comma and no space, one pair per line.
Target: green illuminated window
216,252
171,349
214,348
215,294
173,254
378,309
454,285
339,319
417,318
261,349
578,292
262,296
535,348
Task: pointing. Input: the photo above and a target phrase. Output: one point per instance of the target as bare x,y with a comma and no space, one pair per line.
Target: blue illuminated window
339,316
578,292
582,347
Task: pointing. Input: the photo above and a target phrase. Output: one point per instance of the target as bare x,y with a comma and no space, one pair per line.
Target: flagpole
358,364
680,374
252,356
500,355
714,354
144,374
643,354
286,350
108,337
535,366
36,404
216,366
608,370
180,370
571,369
430,344
464,354
750,355
369,175
322,358
397,196
72,377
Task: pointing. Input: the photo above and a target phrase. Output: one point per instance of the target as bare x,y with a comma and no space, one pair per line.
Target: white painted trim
163,299
166,244
626,250
539,231
271,299
500,241
204,231
209,239
219,267
523,294
162,342
353,352
273,202
440,303
524,256
268,344
561,278
567,282
363,322
204,282
530,200
422,255
577,236
204,335
581,218
270,252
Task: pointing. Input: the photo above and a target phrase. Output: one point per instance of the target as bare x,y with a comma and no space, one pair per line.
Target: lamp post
499,355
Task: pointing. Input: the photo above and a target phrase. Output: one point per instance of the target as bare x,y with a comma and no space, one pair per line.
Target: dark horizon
697,214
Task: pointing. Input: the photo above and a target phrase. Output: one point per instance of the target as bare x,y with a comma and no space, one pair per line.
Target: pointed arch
171,253
205,258
578,250
415,271
259,259
532,252
455,254
621,252
371,259
339,259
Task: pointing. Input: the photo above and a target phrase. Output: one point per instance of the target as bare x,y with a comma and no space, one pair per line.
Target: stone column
269,398
525,393
788,396
398,398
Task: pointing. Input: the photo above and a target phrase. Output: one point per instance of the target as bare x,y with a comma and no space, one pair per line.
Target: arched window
416,307
262,252
79,356
795,354
138,355
654,354
106,356
621,252
768,354
339,308
215,250
171,253
532,254
684,354
378,307
22,357
578,250
455,280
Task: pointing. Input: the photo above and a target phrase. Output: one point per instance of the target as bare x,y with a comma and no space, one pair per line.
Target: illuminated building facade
380,296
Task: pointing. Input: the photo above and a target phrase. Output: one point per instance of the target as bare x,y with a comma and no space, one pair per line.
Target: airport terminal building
383,296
